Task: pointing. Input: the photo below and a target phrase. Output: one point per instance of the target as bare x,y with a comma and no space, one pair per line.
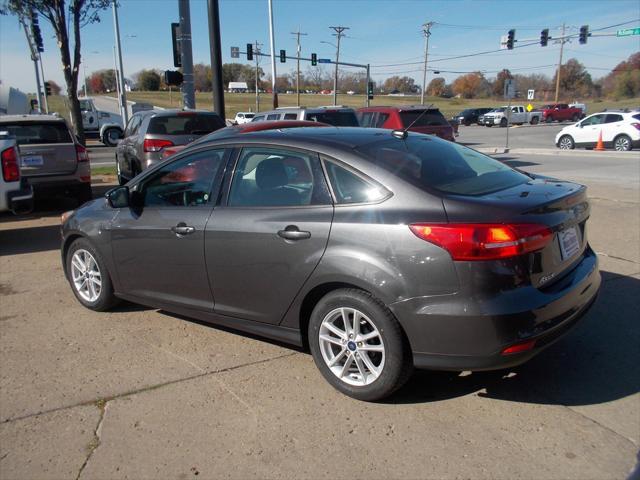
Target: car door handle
182,229
291,232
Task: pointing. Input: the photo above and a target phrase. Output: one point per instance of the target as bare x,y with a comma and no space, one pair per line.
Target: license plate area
32,160
569,242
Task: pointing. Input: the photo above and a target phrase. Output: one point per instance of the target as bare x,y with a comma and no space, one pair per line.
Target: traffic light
283,56
249,51
370,90
511,38
173,77
47,89
35,31
175,35
544,37
314,59
584,34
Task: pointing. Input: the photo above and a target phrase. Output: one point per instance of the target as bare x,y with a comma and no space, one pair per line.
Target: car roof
31,118
399,108
175,111
324,108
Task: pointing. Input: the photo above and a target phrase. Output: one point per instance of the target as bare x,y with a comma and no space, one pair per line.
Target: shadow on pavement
29,240
516,163
595,363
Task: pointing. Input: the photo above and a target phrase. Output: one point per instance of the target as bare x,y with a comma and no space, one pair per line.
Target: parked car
514,115
560,112
336,115
470,115
582,107
620,131
16,195
417,118
105,126
378,251
243,117
149,132
52,159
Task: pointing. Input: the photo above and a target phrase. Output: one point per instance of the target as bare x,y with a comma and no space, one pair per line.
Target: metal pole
338,34
123,98
506,147
33,49
186,54
257,57
366,87
298,50
44,87
273,57
559,64
216,58
427,33
116,77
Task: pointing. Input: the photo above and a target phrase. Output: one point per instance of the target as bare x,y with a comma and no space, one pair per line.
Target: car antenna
402,133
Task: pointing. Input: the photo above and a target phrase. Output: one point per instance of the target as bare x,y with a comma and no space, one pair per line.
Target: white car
244,117
16,195
620,130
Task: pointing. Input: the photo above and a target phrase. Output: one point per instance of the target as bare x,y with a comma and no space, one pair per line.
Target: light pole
273,57
427,33
338,34
122,99
297,34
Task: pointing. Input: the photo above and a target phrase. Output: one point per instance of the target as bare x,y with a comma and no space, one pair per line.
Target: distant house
238,87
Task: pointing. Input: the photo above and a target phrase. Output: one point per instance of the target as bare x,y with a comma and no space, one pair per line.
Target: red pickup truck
560,112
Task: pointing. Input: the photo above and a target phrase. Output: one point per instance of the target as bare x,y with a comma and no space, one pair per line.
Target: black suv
470,115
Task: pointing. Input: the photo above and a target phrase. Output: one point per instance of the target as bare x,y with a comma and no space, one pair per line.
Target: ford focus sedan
379,251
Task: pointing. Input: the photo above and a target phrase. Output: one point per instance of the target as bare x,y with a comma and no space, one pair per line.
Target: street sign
235,52
529,107
510,88
324,60
531,94
628,31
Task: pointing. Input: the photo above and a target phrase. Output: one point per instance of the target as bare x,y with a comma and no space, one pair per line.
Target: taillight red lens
519,348
10,167
82,154
479,241
155,145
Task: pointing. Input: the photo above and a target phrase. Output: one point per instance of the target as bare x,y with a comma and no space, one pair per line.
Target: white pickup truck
104,125
513,115
16,195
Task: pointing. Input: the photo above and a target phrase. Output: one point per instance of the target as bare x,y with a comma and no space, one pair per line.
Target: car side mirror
119,197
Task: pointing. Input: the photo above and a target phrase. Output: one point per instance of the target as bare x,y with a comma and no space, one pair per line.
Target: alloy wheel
352,346
622,144
566,143
86,276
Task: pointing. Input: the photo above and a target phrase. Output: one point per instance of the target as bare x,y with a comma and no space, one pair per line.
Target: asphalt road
141,393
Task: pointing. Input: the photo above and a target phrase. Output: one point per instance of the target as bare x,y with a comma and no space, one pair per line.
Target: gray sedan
377,250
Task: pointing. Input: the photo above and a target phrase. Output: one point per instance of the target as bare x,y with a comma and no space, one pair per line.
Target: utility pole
216,58
273,57
186,54
257,57
124,110
44,85
338,34
562,40
34,58
426,30
297,34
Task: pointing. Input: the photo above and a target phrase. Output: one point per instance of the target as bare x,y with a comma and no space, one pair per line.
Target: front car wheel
622,143
566,143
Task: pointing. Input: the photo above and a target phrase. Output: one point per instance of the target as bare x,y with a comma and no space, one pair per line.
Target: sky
382,33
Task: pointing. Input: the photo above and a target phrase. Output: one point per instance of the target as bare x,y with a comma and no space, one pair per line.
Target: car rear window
185,124
433,118
338,118
30,133
433,164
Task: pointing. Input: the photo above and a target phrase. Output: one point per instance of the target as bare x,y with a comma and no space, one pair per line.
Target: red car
560,112
418,118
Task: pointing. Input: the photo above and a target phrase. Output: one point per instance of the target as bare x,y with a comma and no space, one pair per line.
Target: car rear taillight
82,154
10,167
155,145
636,125
479,241
519,348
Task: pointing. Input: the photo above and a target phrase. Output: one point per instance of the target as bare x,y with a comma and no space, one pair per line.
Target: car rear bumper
475,335
21,200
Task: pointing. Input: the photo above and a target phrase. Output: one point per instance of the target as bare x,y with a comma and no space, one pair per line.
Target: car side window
131,125
349,187
612,118
366,119
290,116
380,119
274,177
593,120
187,182
273,116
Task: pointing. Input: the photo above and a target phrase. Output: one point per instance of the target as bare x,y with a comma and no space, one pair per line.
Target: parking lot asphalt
142,393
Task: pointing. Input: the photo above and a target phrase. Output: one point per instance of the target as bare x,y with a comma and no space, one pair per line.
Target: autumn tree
66,17
470,85
96,85
574,79
401,84
148,80
498,84
55,88
624,79
437,87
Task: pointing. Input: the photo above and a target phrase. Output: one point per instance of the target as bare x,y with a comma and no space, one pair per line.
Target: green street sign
628,31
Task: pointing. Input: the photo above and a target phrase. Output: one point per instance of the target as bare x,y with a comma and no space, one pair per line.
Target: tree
437,87
96,85
202,77
574,79
66,17
470,85
498,84
400,84
148,80
624,79
315,77
55,88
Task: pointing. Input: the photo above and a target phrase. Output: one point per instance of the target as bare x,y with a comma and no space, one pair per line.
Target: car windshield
432,118
31,133
339,118
185,124
433,164
249,115
465,112
499,109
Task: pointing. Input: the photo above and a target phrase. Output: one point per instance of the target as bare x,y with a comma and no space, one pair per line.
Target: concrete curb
554,151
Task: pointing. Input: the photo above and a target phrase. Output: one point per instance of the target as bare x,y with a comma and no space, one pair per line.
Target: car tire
549,119
84,193
534,121
566,143
622,143
467,124
575,118
111,136
121,179
91,286
352,373
503,122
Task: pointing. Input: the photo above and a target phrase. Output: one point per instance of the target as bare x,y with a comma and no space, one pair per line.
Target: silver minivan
336,115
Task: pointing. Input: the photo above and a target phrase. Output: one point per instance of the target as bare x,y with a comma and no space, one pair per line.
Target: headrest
271,173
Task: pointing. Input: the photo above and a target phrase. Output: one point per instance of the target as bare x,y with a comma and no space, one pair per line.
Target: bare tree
62,15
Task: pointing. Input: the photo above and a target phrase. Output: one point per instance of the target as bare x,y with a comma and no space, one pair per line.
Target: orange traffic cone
599,145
